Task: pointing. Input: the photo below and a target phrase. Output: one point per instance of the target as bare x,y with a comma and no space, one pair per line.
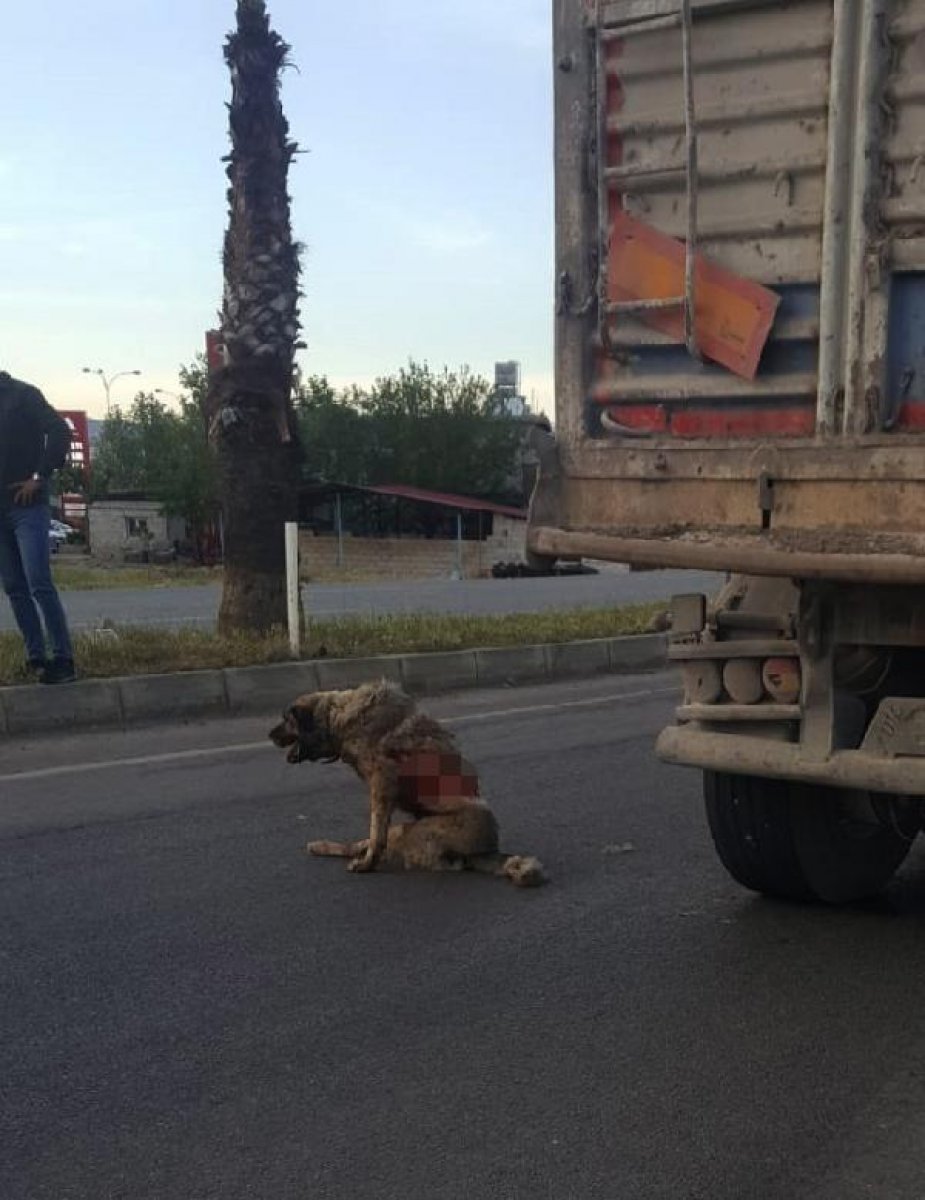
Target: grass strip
134,650
83,577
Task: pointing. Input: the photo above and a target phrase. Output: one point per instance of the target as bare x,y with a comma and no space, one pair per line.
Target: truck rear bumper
737,755
759,556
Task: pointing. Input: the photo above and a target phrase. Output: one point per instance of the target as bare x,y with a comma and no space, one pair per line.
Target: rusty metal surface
867,316
615,387
898,728
686,444
859,516
904,143
760,92
876,461
718,554
761,95
611,273
752,648
735,714
740,754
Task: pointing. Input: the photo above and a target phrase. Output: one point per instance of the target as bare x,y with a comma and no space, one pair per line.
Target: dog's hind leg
337,849
421,846
396,851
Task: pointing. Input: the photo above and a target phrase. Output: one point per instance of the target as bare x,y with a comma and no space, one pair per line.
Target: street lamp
107,383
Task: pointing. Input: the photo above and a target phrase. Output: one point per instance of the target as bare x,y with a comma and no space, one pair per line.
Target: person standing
34,443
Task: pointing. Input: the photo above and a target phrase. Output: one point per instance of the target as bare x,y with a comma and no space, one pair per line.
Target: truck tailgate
807,120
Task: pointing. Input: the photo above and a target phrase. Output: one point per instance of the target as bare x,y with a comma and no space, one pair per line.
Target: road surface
198,606
192,1010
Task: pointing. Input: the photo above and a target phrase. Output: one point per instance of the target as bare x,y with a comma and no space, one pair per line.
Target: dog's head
306,733
322,726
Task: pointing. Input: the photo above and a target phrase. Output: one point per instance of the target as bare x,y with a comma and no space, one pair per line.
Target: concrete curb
148,699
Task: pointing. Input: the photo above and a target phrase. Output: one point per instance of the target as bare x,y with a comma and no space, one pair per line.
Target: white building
127,527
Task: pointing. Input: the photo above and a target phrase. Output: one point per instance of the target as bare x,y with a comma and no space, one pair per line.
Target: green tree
335,433
119,457
437,430
189,486
71,480
194,379
163,453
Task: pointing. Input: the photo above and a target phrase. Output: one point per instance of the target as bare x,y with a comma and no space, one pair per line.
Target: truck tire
799,842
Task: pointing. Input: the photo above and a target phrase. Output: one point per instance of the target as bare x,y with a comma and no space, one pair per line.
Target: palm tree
249,404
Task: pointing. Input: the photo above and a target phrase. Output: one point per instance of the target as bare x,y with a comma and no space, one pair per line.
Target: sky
423,198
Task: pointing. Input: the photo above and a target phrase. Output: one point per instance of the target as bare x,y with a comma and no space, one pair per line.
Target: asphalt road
199,605
193,1010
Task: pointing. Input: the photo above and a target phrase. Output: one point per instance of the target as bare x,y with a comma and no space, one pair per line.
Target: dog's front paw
362,864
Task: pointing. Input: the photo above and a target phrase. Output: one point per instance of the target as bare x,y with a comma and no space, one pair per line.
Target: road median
133,700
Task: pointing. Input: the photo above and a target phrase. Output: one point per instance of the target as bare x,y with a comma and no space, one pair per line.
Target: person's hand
25,493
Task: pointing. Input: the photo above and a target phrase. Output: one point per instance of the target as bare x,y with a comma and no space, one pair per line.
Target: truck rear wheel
800,842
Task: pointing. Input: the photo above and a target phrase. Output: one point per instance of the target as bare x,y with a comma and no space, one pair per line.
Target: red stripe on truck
751,422
912,416
649,417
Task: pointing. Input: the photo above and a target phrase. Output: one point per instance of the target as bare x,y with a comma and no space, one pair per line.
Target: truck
740,388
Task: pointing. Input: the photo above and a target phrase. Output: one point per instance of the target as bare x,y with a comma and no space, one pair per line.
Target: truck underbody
803,701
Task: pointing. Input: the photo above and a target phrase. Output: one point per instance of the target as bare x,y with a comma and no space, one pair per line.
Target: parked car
521,570
58,534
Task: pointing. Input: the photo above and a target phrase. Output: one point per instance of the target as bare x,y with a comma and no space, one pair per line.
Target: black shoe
60,670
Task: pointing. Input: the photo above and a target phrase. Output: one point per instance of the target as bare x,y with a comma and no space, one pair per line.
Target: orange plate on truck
733,316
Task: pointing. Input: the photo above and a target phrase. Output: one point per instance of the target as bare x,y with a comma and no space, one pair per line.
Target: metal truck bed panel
808,123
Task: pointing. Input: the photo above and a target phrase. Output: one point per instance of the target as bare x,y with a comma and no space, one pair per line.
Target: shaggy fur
410,762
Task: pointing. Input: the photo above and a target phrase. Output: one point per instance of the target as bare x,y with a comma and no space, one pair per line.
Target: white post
340,530
292,587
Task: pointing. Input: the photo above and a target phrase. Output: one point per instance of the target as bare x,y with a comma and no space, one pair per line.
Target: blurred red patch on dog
432,775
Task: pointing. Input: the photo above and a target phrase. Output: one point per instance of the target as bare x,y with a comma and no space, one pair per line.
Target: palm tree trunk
251,419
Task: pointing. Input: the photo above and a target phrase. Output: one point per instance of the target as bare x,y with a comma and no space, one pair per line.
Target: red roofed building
406,532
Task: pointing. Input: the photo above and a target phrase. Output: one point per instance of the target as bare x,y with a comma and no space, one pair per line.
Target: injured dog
410,762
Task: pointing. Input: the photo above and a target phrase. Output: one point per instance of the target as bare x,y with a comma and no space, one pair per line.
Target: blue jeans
25,572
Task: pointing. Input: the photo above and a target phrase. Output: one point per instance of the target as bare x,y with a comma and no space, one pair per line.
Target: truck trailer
740,388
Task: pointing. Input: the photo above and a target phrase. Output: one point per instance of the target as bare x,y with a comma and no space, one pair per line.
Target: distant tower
507,388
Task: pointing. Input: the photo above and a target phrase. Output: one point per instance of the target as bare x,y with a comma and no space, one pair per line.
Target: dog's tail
522,870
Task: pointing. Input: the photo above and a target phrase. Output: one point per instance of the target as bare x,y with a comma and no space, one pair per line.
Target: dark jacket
34,439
